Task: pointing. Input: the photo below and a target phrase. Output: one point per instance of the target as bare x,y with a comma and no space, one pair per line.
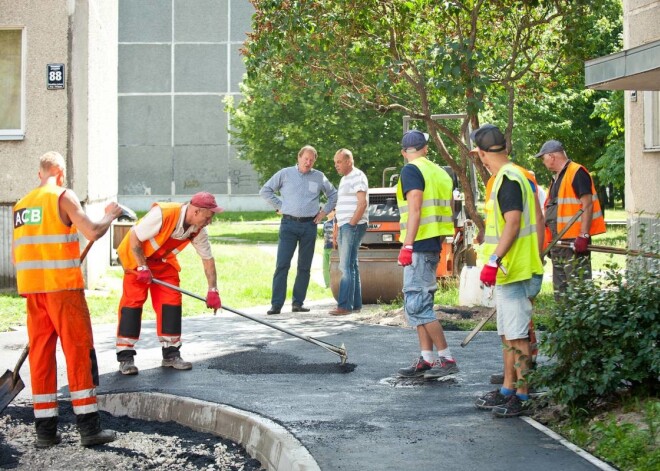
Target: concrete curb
263,439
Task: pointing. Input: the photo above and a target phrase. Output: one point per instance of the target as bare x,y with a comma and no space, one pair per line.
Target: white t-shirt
349,186
150,226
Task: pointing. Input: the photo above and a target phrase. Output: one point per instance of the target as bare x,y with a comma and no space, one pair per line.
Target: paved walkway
348,420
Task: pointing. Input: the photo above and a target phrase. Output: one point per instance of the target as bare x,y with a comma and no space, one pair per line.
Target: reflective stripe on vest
161,246
46,251
569,204
435,213
523,259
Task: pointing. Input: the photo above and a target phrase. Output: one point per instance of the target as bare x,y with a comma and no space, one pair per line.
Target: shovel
10,382
340,351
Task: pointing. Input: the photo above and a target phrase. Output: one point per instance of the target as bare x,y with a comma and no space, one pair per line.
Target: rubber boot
91,434
47,434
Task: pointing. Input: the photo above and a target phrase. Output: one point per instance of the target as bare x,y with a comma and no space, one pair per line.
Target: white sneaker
177,363
128,367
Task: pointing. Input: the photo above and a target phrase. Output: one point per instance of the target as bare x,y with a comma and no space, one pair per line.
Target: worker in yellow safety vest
512,264
424,198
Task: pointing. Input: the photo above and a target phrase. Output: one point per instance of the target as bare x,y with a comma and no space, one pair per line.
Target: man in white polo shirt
352,220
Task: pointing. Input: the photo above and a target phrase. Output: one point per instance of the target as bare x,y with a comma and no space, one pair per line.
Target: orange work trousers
165,301
62,314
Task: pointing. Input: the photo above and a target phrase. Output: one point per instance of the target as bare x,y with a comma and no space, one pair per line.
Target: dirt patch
448,315
140,445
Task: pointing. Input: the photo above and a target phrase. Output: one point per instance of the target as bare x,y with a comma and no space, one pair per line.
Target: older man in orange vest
46,253
572,189
149,250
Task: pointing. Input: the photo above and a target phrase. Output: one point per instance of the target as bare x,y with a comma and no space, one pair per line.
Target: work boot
48,441
127,367
177,363
91,434
274,310
491,400
299,308
47,434
172,359
417,369
441,367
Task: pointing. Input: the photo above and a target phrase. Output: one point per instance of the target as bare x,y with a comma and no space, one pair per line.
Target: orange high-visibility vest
162,246
46,251
568,204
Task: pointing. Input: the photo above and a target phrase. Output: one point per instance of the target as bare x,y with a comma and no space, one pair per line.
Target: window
12,84
652,121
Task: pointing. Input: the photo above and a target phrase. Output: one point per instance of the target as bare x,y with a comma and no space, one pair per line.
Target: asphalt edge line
265,440
571,446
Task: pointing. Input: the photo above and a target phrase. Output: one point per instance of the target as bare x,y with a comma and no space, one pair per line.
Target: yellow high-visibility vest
523,259
436,212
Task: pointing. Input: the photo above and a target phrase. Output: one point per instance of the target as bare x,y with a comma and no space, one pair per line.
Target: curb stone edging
265,440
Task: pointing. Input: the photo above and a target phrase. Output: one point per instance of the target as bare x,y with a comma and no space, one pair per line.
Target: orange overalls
160,253
47,258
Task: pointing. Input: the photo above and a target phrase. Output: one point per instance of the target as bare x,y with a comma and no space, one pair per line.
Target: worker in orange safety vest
46,253
572,189
149,250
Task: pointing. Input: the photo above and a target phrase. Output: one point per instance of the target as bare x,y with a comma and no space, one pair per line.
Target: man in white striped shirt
352,219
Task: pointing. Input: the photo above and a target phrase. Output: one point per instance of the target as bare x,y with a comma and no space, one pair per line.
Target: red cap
206,201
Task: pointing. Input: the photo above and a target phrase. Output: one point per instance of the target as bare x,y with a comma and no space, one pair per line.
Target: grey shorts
514,307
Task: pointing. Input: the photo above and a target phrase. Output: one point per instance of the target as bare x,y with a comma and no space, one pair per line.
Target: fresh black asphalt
351,417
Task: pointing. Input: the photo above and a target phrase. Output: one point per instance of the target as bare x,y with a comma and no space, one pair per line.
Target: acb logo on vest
30,216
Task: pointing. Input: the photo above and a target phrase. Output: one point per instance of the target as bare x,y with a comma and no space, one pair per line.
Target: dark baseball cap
414,140
549,147
488,138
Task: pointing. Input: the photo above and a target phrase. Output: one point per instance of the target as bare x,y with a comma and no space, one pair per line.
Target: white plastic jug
471,292
469,289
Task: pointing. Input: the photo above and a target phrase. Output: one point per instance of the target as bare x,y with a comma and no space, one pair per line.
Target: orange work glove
144,274
213,300
489,275
405,255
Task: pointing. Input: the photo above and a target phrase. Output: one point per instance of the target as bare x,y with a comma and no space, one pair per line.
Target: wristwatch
213,289
495,259
142,268
586,235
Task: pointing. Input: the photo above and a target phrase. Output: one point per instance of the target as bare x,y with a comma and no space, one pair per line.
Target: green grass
245,268
625,444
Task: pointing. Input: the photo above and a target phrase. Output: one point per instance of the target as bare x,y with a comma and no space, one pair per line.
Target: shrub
603,336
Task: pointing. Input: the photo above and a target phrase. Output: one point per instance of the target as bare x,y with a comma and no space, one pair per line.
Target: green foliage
604,336
313,62
272,123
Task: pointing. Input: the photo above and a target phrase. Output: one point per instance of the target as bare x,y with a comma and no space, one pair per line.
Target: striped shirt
299,192
349,186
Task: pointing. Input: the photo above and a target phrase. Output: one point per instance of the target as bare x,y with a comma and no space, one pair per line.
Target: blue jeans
350,289
293,234
419,287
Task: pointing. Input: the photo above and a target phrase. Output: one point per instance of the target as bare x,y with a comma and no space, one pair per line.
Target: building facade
179,61
637,71
58,71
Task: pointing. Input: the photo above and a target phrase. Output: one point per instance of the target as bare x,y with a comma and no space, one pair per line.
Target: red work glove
143,275
489,275
580,245
213,300
405,255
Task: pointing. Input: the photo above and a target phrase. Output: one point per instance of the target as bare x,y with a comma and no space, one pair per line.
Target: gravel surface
141,445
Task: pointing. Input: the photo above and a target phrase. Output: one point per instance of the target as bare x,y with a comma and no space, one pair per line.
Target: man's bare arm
72,212
361,207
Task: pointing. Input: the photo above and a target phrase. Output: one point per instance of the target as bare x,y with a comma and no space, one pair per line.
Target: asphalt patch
258,362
